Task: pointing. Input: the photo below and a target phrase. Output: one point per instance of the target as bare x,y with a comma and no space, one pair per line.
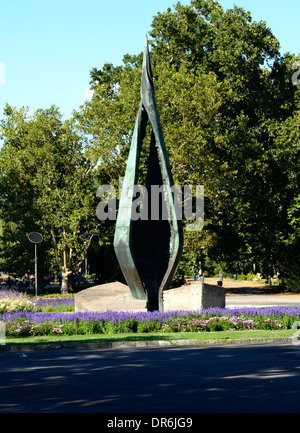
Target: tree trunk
40,284
67,276
66,282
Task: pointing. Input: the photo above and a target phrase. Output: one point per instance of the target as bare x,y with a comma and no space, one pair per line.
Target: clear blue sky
49,47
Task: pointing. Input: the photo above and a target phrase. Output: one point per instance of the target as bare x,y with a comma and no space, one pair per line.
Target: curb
142,344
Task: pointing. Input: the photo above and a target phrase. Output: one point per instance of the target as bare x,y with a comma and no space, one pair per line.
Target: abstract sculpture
148,249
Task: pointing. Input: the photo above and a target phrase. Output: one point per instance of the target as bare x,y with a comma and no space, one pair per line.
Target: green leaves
226,104
47,183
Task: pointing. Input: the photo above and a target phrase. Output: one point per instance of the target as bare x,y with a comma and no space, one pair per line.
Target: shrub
292,280
12,301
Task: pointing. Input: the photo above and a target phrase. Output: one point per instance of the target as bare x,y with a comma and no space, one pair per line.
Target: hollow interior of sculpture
151,234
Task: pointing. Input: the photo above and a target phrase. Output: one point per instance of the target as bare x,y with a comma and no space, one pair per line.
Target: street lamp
35,238
86,240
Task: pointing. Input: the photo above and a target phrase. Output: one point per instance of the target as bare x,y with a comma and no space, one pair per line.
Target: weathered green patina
148,249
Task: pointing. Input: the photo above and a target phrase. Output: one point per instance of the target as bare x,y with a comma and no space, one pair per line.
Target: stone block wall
194,297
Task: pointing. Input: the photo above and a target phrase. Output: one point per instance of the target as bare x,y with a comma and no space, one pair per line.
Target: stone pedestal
117,297
194,297
112,296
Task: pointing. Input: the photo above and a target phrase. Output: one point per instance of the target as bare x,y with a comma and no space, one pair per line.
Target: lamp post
85,239
35,238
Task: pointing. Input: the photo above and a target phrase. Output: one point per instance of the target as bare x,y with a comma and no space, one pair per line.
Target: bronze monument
148,249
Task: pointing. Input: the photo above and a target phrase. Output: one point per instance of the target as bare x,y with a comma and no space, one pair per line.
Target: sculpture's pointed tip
146,53
146,68
146,48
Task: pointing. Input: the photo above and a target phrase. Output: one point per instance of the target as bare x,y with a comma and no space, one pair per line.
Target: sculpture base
117,297
112,296
194,297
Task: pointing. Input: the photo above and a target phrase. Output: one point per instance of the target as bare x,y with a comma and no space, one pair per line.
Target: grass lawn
196,338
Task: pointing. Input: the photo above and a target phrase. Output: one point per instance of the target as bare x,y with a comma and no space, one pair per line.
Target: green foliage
248,277
292,274
294,220
46,185
230,122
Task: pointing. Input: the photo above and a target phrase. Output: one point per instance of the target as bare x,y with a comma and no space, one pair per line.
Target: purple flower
213,319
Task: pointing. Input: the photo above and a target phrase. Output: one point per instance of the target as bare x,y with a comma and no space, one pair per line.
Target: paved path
249,294
260,300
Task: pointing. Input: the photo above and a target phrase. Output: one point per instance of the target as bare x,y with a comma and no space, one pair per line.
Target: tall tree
47,184
224,94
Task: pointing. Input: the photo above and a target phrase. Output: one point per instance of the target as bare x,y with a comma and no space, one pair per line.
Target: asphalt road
182,380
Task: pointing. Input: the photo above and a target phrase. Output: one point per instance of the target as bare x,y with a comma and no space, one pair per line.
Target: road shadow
218,379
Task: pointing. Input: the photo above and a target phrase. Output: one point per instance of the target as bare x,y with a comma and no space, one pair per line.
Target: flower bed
28,323
53,304
12,301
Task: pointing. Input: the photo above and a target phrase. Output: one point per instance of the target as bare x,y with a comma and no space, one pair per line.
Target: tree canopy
47,185
231,122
